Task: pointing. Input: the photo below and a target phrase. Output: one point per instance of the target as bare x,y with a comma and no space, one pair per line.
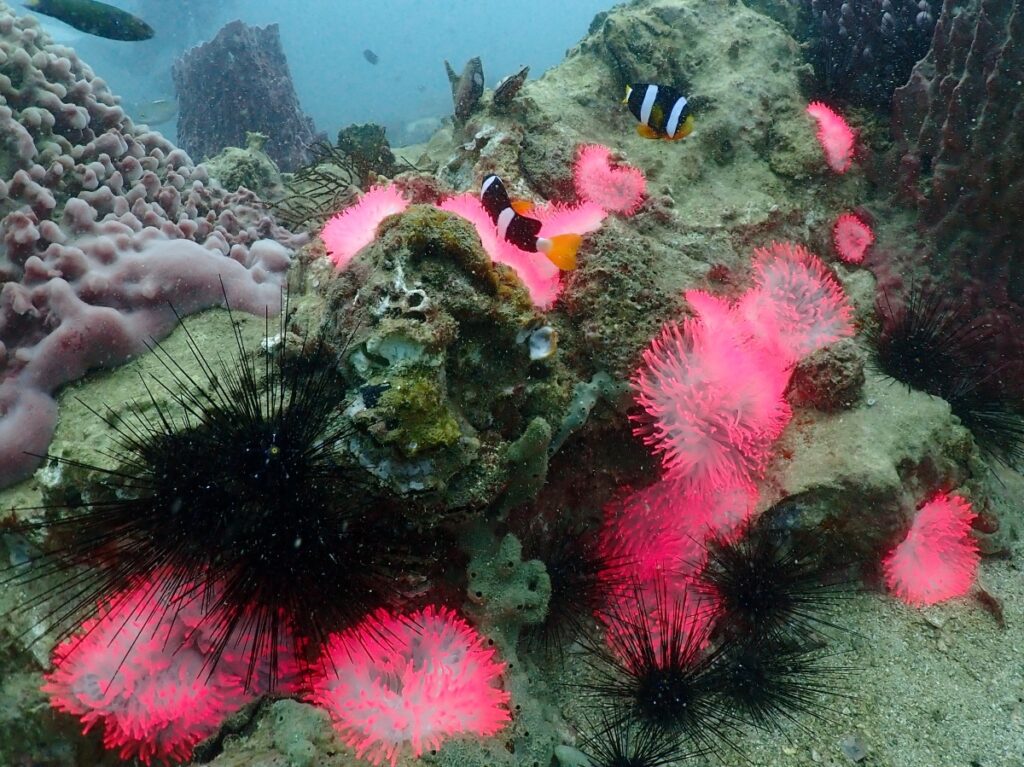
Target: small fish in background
156,112
95,18
663,112
370,56
515,227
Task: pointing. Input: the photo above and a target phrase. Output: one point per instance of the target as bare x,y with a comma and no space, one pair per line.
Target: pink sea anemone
541,278
418,680
142,671
351,230
617,188
835,136
582,218
938,559
797,306
852,238
712,406
662,528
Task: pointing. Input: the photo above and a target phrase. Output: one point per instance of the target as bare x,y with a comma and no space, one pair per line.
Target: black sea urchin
770,680
628,744
578,571
656,670
767,585
239,484
931,344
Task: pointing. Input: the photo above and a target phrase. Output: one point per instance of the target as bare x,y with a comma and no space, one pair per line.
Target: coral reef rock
236,83
103,227
446,384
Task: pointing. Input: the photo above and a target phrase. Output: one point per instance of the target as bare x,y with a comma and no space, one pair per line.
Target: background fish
94,17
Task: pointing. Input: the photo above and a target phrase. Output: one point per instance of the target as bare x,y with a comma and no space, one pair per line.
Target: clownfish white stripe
504,219
673,119
487,184
648,105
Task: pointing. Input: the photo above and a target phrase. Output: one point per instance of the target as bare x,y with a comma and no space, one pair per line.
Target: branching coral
417,680
938,559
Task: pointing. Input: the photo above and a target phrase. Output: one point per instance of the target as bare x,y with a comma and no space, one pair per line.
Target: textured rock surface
830,379
237,83
863,50
439,326
960,164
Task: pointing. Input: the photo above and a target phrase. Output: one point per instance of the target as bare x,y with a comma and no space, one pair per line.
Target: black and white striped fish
663,112
522,231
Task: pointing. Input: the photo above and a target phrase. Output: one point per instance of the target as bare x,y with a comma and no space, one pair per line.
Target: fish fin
647,131
561,250
629,90
685,129
522,207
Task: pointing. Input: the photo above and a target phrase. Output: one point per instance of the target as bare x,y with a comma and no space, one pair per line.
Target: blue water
324,42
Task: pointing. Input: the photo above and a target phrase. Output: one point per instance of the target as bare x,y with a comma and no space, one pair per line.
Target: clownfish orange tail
561,250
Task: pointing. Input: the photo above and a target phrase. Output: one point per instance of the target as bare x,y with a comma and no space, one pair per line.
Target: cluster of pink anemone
142,670
851,234
147,671
602,185
938,559
711,389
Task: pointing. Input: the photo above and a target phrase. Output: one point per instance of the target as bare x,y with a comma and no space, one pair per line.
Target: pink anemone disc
852,238
351,230
938,560
617,188
797,306
835,136
417,680
713,406
541,278
142,670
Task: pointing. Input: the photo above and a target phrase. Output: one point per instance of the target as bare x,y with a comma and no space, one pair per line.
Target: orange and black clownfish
663,112
520,230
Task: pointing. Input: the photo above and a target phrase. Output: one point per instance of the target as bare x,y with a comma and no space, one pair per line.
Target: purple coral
236,83
102,228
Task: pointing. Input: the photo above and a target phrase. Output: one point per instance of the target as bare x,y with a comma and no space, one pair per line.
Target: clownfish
663,112
515,227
